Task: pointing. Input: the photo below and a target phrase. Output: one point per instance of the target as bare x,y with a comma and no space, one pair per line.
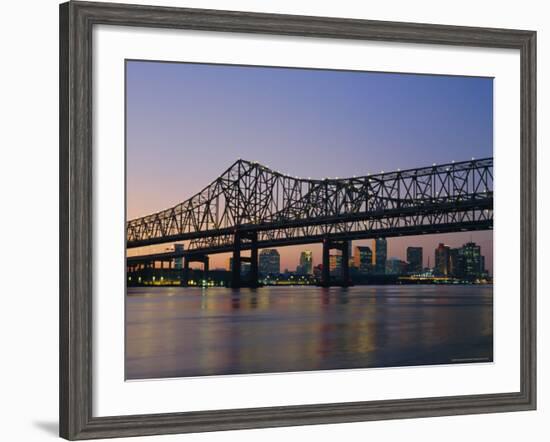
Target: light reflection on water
176,332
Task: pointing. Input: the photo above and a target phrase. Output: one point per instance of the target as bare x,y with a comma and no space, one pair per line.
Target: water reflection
174,332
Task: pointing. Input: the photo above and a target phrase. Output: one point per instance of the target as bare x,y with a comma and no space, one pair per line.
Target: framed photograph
271,220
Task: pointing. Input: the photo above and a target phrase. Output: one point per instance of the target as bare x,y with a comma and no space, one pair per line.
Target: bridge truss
280,209
250,207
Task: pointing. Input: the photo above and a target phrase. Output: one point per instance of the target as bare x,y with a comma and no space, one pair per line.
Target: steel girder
251,197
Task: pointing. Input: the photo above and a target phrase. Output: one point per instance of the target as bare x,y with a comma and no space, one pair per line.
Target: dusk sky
187,123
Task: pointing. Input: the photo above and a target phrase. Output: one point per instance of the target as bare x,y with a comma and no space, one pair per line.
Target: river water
177,331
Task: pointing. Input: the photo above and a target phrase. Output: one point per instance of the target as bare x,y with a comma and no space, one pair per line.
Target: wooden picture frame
76,165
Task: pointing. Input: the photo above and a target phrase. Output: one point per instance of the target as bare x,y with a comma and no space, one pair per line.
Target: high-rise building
455,263
306,263
269,262
178,262
442,260
415,259
395,266
471,260
362,259
380,255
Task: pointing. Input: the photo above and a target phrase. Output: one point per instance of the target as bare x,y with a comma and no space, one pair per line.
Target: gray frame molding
76,22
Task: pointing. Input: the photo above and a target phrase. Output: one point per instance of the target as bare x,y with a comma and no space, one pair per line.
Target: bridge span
250,206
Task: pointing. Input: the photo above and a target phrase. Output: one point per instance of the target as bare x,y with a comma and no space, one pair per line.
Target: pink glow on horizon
186,123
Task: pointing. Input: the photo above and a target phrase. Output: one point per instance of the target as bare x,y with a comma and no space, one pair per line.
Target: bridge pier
345,263
185,279
236,280
254,261
206,267
236,263
343,246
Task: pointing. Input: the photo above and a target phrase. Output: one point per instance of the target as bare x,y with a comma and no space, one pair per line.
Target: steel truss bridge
250,207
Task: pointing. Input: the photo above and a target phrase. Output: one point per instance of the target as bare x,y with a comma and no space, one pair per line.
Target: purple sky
186,123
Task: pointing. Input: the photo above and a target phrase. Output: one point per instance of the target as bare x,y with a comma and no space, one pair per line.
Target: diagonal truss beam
249,196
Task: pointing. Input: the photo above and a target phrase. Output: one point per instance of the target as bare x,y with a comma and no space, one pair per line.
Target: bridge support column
185,280
345,263
254,260
206,268
236,263
343,246
325,275
251,239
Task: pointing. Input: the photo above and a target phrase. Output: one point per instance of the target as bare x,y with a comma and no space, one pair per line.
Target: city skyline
187,122
428,257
